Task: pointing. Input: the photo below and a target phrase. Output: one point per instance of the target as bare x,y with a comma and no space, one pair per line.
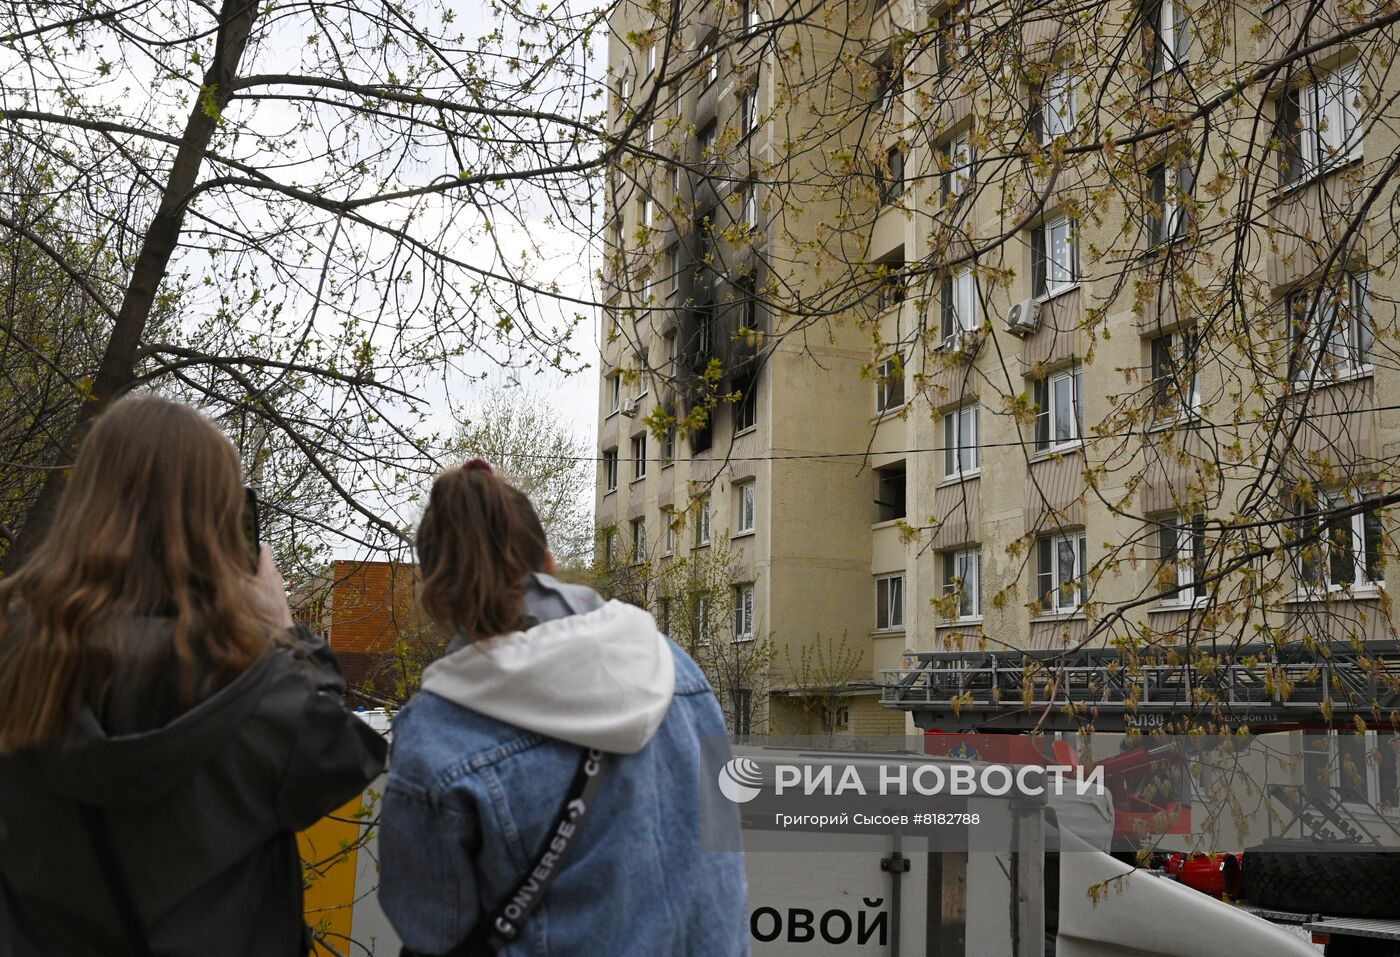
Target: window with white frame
958,167
745,507
746,408
1054,257
706,141
614,387
1168,184
610,547
1181,553
889,603
1359,767
639,541
960,306
639,388
1059,418
748,111
1318,125
639,457
704,330
669,539
962,580
711,60
651,59
702,521
609,469
743,612
1167,35
748,207
648,212
1056,113
889,385
1330,334
700,624
891,177
1176,383
748,14
673,266
954,36
668,446
961,452
1339,545
752,317
1060,572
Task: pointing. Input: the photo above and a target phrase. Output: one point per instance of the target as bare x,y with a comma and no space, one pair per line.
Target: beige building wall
818,547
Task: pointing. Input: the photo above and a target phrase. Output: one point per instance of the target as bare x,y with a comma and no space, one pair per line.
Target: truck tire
1360,947
1345,883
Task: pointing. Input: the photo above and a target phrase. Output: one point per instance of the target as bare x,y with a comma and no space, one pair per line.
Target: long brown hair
477,543
149,525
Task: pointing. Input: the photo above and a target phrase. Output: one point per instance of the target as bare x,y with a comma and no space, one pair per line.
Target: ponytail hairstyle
478,543
149,526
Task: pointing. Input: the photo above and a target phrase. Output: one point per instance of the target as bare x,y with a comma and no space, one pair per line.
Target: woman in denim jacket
483,757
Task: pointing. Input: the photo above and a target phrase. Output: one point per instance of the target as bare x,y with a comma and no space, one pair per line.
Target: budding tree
301,216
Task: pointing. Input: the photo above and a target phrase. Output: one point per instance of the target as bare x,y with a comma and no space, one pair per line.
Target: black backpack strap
503,925
96,823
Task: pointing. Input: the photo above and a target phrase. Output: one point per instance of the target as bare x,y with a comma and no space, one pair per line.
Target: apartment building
1027,330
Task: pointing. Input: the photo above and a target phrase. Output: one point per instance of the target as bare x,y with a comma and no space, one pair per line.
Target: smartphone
252,527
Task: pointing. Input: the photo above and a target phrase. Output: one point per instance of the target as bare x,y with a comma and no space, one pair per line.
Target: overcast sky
570,262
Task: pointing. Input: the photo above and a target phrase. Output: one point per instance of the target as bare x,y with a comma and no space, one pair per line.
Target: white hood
602,679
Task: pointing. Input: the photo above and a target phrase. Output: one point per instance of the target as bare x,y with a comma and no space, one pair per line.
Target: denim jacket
482,759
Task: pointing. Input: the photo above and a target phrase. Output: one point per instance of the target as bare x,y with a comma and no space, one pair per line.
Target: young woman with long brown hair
546,793
165,729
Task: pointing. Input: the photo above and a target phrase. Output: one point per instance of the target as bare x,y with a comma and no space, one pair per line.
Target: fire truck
1330,863
1069,876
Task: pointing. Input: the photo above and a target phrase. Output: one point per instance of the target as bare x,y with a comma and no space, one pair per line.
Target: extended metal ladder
1255,685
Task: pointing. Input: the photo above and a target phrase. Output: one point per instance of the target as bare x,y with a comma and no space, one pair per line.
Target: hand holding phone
269,595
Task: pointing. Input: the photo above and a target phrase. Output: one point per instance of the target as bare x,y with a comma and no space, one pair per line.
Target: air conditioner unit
631,407
963,342
1023,318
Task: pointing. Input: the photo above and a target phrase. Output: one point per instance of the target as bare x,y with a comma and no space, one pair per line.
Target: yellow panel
329,849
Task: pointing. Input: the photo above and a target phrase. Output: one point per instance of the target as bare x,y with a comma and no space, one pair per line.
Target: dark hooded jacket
201,807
